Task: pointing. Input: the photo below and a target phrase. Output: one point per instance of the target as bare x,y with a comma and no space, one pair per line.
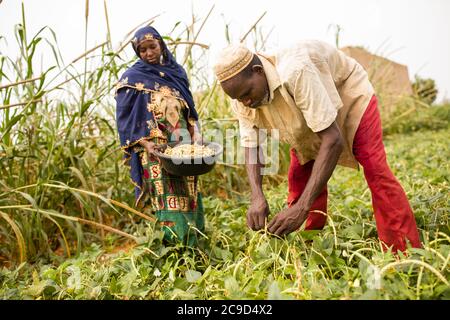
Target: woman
154,106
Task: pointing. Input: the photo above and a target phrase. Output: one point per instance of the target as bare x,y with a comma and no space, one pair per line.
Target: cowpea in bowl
186,159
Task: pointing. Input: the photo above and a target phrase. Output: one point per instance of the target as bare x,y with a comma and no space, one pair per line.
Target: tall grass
60,162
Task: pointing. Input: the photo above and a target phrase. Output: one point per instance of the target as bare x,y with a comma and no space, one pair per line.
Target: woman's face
150,51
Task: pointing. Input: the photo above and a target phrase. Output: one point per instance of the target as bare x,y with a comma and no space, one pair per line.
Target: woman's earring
161,59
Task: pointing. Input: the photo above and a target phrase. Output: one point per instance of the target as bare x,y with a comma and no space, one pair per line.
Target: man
324,106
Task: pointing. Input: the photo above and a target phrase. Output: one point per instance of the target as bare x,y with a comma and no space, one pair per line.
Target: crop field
344,261
68,229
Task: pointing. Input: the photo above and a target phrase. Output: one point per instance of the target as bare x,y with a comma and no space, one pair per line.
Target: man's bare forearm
259,210
290,219
253,166
324,165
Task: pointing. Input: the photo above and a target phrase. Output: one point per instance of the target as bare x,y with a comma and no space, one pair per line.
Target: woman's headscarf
132,115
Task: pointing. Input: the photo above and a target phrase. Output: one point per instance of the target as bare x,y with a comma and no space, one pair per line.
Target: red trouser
393,215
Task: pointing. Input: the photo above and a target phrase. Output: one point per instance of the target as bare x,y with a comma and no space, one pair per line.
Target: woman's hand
197,138
149,146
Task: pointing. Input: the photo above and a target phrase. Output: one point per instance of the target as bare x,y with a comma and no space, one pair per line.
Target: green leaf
274,291
192,276
369,295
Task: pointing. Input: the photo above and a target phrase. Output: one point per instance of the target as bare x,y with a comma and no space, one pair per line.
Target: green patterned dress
175,200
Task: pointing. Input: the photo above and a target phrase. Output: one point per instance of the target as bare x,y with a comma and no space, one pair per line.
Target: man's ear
258,68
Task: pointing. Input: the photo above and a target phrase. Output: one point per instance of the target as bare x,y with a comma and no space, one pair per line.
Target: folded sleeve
312,95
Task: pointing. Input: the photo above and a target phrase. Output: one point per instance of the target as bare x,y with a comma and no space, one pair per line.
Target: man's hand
257,213
287,220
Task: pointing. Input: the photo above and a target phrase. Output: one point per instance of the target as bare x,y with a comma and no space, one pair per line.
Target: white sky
412,32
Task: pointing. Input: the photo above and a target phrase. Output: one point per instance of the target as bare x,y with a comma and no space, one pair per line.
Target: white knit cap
232,60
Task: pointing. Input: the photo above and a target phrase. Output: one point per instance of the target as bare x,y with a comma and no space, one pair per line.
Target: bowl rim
167,157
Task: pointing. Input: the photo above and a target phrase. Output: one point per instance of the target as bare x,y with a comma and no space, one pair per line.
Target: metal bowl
188,166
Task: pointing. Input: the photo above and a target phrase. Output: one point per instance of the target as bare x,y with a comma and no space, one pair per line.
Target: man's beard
266,98
263,101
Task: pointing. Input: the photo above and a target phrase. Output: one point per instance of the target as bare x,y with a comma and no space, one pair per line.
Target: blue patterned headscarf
132,97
